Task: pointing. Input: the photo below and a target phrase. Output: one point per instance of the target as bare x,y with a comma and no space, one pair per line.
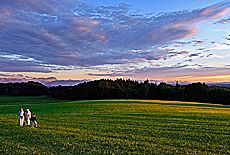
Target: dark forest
122,89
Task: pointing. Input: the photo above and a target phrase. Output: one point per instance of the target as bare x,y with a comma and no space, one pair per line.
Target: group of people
26,117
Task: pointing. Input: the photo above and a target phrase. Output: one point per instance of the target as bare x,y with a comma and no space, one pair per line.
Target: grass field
11,100
115,127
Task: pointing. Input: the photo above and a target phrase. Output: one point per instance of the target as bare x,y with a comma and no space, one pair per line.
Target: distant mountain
64,82
219,84
53,81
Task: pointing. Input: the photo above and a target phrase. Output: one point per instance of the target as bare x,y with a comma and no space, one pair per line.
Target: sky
80,40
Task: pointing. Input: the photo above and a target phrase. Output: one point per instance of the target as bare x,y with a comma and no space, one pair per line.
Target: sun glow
216,78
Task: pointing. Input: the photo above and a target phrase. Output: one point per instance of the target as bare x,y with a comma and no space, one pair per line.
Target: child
34,121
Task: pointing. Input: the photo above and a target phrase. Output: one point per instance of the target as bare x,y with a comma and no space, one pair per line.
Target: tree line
30,88
123,89
128,89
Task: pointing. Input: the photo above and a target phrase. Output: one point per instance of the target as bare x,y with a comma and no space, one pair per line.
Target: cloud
183,52
227,38
62,33
223,21
182,71
175,53
111,75
22,78
218,46
194,55
13,65
5,75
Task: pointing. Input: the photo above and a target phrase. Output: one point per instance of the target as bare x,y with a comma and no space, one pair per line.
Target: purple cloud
59,33
169,72
223,21
194,55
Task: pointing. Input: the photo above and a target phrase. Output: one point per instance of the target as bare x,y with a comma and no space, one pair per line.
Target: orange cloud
220,14
82,24
213,12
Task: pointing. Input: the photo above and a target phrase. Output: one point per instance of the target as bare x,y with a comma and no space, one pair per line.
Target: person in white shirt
28,116
21,117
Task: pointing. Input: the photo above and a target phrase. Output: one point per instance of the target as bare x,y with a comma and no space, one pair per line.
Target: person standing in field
28,116
21,117
24,117
34,121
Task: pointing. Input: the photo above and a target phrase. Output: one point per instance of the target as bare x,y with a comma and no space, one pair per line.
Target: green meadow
114,127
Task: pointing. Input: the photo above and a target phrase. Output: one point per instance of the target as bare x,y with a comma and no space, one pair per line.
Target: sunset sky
168,40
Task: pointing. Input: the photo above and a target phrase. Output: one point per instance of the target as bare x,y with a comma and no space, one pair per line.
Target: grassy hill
116,127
